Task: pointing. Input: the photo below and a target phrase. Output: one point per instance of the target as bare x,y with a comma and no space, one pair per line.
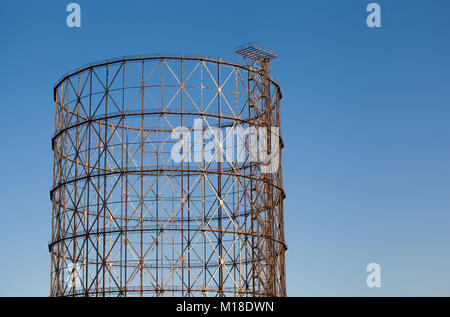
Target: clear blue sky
365,118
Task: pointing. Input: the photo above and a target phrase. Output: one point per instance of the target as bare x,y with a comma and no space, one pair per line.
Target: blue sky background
365,119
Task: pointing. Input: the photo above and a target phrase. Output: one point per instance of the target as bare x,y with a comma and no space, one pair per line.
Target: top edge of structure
146,57
131,58
256,52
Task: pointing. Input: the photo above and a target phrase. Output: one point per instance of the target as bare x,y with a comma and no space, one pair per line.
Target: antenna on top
256,55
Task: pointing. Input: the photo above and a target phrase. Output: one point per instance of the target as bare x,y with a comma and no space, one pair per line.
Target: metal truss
127,219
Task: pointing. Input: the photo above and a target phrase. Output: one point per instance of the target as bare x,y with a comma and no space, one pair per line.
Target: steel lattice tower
128,219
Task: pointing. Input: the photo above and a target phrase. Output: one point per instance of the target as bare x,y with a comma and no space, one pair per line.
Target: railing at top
143,57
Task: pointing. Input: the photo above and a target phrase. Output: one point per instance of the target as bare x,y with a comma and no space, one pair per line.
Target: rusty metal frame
132,220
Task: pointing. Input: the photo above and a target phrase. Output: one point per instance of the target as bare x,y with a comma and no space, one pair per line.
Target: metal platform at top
256,52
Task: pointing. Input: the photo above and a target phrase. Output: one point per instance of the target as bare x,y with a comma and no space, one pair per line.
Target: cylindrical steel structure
157,188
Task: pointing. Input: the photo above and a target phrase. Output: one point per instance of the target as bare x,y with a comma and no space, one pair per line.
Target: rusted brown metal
127,218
